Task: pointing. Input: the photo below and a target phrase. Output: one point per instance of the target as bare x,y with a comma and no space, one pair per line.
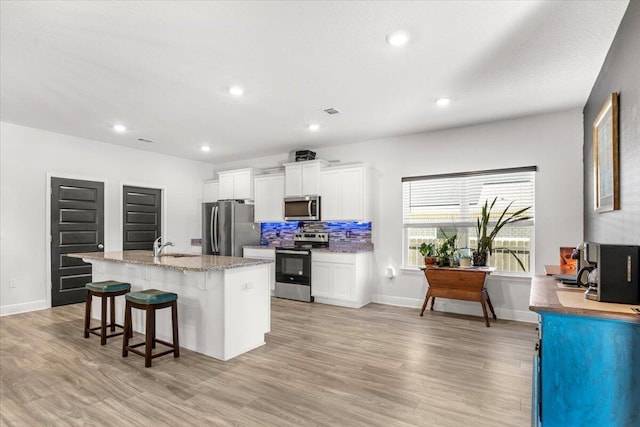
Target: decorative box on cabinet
236,184
210,191
266,253
269,196
346,193
303,178
341,279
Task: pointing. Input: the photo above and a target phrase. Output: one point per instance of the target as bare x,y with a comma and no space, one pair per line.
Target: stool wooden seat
150,300
108,289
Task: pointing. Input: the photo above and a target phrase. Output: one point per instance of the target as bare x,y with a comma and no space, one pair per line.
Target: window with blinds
453,202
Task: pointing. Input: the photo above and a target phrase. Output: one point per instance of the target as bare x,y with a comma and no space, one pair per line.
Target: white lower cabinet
341,279
266,253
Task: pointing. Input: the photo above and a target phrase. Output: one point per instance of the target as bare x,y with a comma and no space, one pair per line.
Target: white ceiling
163,68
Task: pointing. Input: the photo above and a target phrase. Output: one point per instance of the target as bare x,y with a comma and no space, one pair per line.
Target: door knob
100,246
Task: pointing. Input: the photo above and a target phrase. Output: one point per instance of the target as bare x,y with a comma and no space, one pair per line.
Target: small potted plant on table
446,249
428,251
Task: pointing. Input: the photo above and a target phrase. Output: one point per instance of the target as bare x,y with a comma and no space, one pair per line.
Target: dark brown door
141,217
77,225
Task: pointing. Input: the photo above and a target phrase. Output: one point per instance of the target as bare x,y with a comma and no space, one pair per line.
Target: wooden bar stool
108,289
150,301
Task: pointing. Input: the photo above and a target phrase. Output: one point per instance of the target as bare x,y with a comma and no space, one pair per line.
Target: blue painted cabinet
589,372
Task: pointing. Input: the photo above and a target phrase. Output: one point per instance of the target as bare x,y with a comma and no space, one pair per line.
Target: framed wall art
605,157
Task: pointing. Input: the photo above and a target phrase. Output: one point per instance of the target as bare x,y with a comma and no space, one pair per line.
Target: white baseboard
399,301
459,307
340,303
7,310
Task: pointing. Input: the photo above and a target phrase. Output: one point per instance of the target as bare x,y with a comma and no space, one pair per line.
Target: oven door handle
292,252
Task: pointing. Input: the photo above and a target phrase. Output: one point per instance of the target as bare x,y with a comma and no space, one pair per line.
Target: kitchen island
224,305
586,367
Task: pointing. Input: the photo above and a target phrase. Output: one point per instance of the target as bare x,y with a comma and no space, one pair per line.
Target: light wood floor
322,365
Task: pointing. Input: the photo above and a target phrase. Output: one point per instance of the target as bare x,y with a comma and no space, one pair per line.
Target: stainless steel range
293,266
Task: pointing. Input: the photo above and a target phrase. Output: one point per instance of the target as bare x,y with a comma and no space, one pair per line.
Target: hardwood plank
322,365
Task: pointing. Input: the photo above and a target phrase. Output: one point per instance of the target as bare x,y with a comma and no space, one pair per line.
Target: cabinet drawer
259,253
336,258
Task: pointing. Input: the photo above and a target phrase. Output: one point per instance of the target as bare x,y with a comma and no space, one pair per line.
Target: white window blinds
457,199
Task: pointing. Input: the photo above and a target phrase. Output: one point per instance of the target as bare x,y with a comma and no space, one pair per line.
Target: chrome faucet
157,247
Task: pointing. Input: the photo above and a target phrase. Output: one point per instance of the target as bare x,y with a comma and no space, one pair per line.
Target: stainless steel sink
180,255
174,255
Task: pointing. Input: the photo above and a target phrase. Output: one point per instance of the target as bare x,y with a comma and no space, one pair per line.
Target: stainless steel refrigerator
227,225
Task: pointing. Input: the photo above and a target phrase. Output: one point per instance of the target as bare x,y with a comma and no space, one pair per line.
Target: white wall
552,142
28,155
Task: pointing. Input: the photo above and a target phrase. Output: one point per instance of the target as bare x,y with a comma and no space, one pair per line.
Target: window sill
496,274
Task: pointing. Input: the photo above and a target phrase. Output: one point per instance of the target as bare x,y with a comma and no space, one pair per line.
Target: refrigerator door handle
217,229
212,225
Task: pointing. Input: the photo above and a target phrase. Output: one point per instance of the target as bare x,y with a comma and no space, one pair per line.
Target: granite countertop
348,248
549,296
185,262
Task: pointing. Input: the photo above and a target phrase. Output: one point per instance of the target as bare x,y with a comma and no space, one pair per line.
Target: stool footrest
132,349
115,334
108,326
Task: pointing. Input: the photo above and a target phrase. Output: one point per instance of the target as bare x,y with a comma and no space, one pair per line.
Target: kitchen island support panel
223,313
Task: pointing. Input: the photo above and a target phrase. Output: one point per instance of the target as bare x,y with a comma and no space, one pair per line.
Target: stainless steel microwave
303,208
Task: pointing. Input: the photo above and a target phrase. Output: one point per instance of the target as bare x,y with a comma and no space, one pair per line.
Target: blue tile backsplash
274,233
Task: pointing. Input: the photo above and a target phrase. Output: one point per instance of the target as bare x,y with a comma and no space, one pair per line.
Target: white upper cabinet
303,178
269,198
210,191
346,193
236,184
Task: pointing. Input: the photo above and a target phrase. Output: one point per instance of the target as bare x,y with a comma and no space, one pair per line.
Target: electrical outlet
348,234
12,283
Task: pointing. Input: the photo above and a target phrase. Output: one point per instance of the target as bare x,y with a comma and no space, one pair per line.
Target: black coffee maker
586,257
615,275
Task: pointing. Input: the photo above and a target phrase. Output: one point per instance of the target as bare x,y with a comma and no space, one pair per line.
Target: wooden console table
458,283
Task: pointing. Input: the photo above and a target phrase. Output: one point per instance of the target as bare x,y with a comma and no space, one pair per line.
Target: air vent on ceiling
331,111
146,141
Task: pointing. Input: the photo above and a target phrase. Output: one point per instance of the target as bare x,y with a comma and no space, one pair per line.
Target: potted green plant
446,249
486,238
428,251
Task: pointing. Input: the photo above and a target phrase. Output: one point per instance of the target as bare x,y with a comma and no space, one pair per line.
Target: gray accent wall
620,73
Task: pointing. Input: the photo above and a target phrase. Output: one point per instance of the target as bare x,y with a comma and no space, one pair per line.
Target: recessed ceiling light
236,90
443,102
205,148
398,38
119,128
313,127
